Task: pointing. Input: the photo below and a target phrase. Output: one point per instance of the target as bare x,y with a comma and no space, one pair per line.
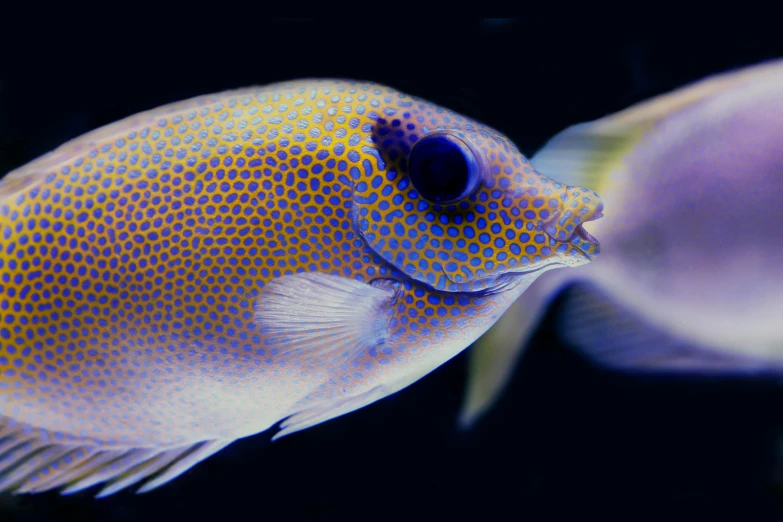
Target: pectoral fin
331,318
320,315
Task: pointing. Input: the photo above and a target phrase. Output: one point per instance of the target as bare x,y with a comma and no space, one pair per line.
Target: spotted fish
197,273
691,278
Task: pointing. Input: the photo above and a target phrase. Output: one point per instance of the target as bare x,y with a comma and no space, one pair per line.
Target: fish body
691,274
198,273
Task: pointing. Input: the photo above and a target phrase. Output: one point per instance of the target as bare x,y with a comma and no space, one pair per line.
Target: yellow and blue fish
197,273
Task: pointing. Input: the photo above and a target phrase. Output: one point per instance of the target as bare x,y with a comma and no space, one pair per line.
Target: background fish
691,278
197,273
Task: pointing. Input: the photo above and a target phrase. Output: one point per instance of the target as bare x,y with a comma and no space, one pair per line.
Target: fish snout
579,205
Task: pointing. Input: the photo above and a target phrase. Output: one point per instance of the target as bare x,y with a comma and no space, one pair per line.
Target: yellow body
135,261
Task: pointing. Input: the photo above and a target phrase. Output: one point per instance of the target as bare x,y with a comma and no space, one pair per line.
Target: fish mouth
583,234
584,241
580,238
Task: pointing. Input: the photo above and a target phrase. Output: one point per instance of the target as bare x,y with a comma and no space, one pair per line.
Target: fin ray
204,451
139,472
323,315
59,472
31,461
111,469
39,460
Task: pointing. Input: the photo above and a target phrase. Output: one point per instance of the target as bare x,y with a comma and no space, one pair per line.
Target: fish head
453,204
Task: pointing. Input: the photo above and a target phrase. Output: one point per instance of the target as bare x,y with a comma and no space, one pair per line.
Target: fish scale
133,261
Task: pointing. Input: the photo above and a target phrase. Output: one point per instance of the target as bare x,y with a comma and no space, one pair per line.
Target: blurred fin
586,154
611,336
494,356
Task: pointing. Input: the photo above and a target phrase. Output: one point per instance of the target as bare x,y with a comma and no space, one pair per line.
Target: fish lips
586,238
580,238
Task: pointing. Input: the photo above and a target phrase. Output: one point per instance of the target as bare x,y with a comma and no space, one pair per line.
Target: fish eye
443,168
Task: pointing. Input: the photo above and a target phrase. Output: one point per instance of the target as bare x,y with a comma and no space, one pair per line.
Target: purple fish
691,272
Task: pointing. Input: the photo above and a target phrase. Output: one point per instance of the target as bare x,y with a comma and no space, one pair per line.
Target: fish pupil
443,169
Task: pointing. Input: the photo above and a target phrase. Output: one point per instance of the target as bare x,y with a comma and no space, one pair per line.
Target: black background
566,439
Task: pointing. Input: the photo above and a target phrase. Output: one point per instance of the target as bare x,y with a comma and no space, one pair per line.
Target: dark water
566,439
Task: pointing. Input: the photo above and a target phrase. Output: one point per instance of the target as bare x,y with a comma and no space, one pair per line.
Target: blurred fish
198,273
691,274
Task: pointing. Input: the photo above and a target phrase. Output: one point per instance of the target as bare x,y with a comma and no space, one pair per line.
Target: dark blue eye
443,169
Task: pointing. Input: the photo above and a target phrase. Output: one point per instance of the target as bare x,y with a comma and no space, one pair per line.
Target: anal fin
31,462
180,466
